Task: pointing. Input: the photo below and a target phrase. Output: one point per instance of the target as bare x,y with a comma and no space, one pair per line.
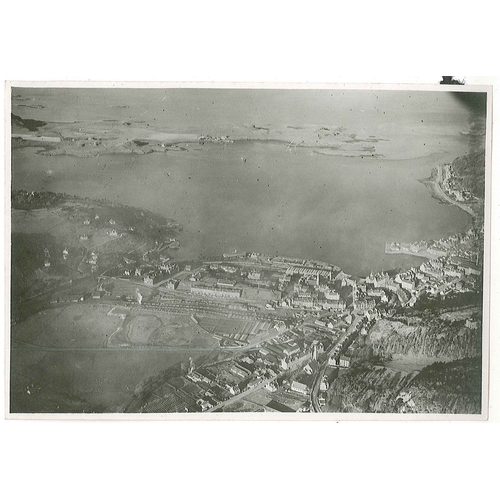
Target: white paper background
364,42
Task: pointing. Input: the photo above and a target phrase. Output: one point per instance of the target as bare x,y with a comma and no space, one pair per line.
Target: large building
215,292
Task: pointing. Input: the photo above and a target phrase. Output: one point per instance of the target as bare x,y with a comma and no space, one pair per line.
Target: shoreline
433,184
99,137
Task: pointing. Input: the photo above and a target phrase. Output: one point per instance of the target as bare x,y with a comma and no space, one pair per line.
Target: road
444,196
322,370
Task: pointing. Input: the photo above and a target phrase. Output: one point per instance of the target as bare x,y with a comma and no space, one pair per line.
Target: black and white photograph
204,251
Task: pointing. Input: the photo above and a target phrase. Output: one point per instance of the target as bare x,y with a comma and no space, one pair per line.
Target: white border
259,416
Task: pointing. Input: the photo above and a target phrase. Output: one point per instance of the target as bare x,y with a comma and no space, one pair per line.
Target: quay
412,249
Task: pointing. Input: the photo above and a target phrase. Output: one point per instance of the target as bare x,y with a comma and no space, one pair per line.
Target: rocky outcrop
433,336
453,387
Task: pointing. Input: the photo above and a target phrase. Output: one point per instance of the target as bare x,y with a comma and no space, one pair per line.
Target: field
233,328
156,329
74,326
60,361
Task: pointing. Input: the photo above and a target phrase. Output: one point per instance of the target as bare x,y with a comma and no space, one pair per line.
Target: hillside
470,171
26,123
453,335
453,387
57,237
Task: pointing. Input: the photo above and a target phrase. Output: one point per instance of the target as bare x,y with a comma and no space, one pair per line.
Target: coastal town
188,331
284,328
291,324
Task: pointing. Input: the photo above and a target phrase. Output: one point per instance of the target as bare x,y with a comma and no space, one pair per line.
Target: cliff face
453,387
434,335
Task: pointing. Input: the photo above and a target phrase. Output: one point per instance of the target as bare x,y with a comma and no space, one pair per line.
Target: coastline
433,184
100,137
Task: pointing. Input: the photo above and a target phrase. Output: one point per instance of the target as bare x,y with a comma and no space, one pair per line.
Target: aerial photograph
181,250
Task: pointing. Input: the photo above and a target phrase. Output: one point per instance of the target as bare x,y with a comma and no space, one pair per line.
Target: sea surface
300,204
295,203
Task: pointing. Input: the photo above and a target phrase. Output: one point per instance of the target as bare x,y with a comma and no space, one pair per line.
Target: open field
74,326
60,362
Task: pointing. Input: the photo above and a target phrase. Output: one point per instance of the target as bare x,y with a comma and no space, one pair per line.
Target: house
204,404
311,367
344,361
472,325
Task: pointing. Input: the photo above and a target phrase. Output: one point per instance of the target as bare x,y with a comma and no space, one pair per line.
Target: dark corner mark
451,80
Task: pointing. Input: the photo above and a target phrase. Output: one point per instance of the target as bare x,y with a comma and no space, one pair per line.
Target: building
228,269
240,371
311,367
308,271
344,361
472,325
235,255
216,292
331,295
407,284
364,305
226,283
437,252
453,273
254,275
299,388
290,349
172,284
153,278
